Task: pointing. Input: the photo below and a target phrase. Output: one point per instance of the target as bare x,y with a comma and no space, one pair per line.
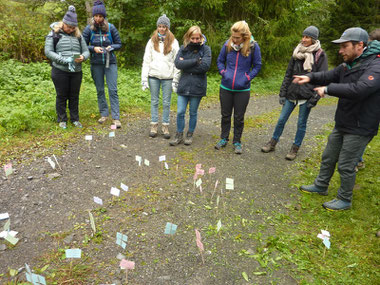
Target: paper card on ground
199,182
111,134
166,166
327,242
124,187
35,279
8,169
170,229
121,240
126,264
139,159
3,234
13,240
115,191
218,226
146,162
97,200
73,253
229,181
212,170
4,216
229,186
88,137
162,158
325,233
113,127
51,162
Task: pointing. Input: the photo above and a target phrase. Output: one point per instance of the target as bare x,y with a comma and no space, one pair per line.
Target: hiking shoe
62,125
238,148
165,131
269,146
117,123
336,205
77,124
292,153
102,120
360,165
315,189
221,143
189,138
177,139
153,130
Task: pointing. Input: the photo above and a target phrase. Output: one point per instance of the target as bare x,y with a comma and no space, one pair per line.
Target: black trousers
67,87
236,102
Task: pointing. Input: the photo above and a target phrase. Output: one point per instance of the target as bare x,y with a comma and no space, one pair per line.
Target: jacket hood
373,48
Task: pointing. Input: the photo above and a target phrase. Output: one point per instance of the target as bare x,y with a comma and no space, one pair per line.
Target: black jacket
195,64
358,89
302,92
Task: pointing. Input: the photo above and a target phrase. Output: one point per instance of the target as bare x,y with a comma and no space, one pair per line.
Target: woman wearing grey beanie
158,69
308,56
66,49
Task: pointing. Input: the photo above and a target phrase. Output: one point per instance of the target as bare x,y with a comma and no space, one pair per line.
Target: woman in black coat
194,60
307,57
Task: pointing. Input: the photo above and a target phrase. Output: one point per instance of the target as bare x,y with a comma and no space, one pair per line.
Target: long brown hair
169,39
242,28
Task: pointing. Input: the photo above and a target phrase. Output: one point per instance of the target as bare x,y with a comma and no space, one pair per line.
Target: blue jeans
154,86
98,71
344,149
303,115
182,103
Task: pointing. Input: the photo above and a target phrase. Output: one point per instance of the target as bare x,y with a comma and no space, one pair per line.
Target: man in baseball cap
356,83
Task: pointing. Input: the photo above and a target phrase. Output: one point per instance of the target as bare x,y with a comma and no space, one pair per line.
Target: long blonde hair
192,30
59,27
169,39
242,28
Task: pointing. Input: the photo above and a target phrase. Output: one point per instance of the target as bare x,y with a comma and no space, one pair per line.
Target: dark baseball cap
353,34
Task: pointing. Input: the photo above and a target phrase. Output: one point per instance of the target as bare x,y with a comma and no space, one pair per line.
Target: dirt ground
49,208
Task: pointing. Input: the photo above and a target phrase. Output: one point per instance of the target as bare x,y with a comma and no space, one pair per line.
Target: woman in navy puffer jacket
239,62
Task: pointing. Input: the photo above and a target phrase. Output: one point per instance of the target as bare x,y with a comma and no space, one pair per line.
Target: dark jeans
238,102
344,149
67,87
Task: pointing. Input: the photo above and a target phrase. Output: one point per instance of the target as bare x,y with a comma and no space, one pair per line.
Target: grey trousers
344,149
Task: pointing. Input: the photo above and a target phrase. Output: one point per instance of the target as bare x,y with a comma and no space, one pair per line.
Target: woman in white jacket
159,69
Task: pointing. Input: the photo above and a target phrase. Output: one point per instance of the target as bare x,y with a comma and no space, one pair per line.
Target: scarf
161,37
301,52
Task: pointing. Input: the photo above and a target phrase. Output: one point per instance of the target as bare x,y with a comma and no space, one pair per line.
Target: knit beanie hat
71,17
163,20
99,9
312,32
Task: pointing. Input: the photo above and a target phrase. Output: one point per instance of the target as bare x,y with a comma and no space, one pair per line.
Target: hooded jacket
237,70
99,38
67,46
195,64
158,65
358,90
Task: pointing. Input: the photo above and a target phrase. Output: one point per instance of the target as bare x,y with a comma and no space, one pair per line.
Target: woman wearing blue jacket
239,62
103,39
194,60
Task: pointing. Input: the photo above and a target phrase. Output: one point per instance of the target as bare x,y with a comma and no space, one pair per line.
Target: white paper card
124,187
166,166
115,191
52,163
198,183
4,216
3,234
162,158
230,186
229,181
97,200
88,138
146,162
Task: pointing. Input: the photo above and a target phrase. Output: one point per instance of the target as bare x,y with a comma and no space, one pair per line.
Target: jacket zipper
236,64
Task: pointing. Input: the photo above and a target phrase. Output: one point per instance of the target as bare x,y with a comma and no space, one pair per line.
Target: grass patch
355,250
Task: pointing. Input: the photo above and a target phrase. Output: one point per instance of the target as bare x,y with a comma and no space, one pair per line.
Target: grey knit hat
312,32
353,34
163,20
70,17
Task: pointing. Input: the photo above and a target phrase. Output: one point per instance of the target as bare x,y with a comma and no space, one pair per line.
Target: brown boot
292,153
269,146
153,130
189,138
178,139
165,131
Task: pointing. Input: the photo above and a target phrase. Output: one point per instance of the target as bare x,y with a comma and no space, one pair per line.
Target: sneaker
238,148
62,125
337,205
102,120
221,143
117,123
165,131
315,189
153,130
189,138
77,124
177,139
269,146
